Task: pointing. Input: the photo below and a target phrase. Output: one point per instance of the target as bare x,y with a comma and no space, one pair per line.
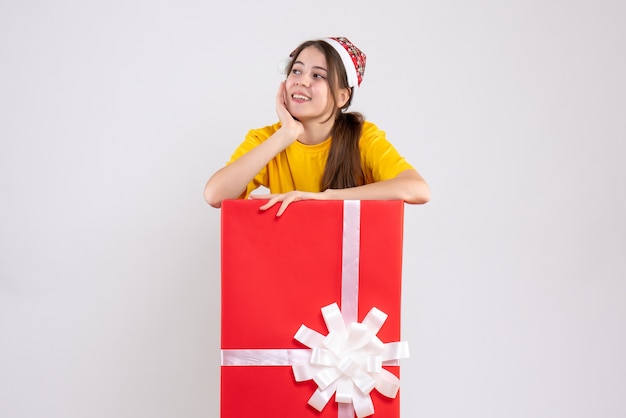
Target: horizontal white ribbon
279,357
264,357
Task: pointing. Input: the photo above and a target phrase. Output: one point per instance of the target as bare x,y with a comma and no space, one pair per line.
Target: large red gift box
279,272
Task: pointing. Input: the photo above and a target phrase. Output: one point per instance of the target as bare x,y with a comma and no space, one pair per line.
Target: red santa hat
353,59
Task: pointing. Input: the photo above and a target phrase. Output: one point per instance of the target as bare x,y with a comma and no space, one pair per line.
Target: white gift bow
348,361
350,355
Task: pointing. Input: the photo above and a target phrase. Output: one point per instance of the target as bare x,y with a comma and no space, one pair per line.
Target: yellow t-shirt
300,166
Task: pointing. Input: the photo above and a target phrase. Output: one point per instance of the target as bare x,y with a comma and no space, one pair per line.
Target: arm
230,182
408,186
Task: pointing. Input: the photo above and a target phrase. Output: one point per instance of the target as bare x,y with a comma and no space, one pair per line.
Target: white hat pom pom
283,65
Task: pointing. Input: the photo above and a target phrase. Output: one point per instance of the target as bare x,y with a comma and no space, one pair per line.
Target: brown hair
343,165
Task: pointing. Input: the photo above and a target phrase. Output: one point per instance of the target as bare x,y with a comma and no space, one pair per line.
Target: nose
301,81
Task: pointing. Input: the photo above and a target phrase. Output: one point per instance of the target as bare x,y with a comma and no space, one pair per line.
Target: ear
342,97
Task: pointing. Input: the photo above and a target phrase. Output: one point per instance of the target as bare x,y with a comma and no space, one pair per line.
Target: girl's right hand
287,122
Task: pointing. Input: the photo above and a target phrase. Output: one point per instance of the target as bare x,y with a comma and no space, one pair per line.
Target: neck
316,132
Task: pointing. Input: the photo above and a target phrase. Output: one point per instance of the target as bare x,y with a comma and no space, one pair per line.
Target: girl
317,150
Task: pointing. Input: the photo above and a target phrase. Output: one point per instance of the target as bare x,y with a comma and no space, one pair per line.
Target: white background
113,114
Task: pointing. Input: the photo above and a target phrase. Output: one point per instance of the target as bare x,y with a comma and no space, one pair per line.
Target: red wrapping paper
277,273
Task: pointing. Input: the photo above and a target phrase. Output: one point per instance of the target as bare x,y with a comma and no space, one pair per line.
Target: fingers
284,205
281,98
280,95
261,196
284,93
284,199
269,204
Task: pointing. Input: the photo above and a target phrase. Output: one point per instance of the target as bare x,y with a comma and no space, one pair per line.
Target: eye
295,71
319,76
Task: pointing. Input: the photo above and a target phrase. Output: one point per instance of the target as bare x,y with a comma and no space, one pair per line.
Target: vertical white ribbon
350,276
350,260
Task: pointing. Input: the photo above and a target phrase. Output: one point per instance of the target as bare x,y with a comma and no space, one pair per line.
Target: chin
296,115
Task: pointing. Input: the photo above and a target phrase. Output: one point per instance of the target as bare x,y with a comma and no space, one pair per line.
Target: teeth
300,97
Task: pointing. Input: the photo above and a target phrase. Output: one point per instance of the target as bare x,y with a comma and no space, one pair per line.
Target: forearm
231,181
408,186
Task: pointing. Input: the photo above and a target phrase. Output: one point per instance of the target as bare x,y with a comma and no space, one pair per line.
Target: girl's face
308,94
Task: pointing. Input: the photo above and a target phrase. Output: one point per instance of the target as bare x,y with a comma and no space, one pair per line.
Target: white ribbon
264,357
350,249
347,362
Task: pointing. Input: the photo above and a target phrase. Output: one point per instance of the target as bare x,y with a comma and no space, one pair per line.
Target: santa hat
353,59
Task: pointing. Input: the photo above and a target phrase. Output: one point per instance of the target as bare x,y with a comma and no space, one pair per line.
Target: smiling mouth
300,97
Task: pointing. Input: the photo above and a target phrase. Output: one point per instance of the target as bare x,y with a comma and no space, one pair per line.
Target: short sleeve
252,140
381,161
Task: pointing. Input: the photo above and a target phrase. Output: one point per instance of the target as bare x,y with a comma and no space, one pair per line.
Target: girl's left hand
286,199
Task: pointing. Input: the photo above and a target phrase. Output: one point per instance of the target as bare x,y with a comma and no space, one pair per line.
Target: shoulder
371,133
253,138
261,134
369,126
373,142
